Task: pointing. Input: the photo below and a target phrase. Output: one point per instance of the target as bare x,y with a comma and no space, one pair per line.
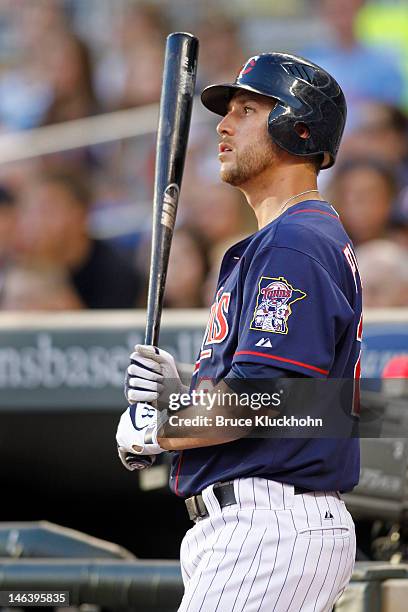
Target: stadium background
79,87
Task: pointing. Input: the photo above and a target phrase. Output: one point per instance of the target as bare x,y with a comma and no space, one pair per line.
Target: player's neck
272,193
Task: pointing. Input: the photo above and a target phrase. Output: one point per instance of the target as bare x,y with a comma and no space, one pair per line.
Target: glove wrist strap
150,446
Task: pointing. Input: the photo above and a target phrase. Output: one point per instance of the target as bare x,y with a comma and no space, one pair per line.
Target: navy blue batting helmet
305,94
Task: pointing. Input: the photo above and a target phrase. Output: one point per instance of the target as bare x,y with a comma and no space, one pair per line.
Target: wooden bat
180,66
176,103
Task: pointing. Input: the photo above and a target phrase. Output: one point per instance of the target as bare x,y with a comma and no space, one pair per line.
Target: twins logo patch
273,305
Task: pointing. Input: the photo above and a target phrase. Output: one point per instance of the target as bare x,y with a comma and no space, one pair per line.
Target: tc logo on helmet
250,65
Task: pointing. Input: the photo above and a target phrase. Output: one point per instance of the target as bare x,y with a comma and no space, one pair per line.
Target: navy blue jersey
288,300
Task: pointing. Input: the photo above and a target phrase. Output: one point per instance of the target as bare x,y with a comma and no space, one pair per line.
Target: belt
224,492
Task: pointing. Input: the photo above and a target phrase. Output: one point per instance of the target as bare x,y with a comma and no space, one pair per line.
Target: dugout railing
156,586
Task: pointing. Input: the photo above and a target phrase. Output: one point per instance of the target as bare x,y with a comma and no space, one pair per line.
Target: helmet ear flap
294,135
287,132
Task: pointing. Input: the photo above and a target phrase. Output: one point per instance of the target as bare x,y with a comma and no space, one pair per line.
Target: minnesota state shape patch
274,304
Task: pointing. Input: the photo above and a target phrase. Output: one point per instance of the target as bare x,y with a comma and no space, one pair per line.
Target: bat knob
139,462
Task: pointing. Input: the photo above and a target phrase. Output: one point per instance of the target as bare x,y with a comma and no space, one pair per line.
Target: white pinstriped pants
273,551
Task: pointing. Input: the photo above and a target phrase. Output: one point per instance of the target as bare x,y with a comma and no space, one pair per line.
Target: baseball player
271,532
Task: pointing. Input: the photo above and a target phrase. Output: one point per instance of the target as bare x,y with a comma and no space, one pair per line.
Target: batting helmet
305,94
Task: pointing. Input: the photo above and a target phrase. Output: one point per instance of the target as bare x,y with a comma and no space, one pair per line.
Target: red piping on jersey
178,472
322,212
298,363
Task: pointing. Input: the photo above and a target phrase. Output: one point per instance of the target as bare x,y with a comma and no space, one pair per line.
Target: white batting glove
137,431
152,376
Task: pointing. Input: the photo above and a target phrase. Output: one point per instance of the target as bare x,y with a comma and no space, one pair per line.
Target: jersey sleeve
293,313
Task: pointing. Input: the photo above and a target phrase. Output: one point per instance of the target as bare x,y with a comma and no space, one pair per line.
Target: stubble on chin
251,162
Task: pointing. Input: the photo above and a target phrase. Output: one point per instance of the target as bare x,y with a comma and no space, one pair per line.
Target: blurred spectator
143,22
130,72
69,69
18,175
221,50
7,224
362,191
24,97
7,231
25,90
216,256
188,268
53,231
381,131
29,288
216,212
143,78
399,226
384,273
36,20
364,73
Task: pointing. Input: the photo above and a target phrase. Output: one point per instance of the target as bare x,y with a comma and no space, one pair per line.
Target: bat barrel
176,102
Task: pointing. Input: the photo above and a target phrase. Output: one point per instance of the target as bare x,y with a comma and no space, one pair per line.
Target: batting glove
136,436
137,430
152,376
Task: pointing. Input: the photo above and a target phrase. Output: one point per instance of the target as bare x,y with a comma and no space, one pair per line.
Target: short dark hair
73,182
315,161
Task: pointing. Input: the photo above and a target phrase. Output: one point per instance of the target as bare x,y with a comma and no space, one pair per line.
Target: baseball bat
176,103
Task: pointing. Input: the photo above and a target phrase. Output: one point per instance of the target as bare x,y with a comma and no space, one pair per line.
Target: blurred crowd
75,225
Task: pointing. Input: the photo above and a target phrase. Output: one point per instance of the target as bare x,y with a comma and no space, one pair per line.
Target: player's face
246,149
